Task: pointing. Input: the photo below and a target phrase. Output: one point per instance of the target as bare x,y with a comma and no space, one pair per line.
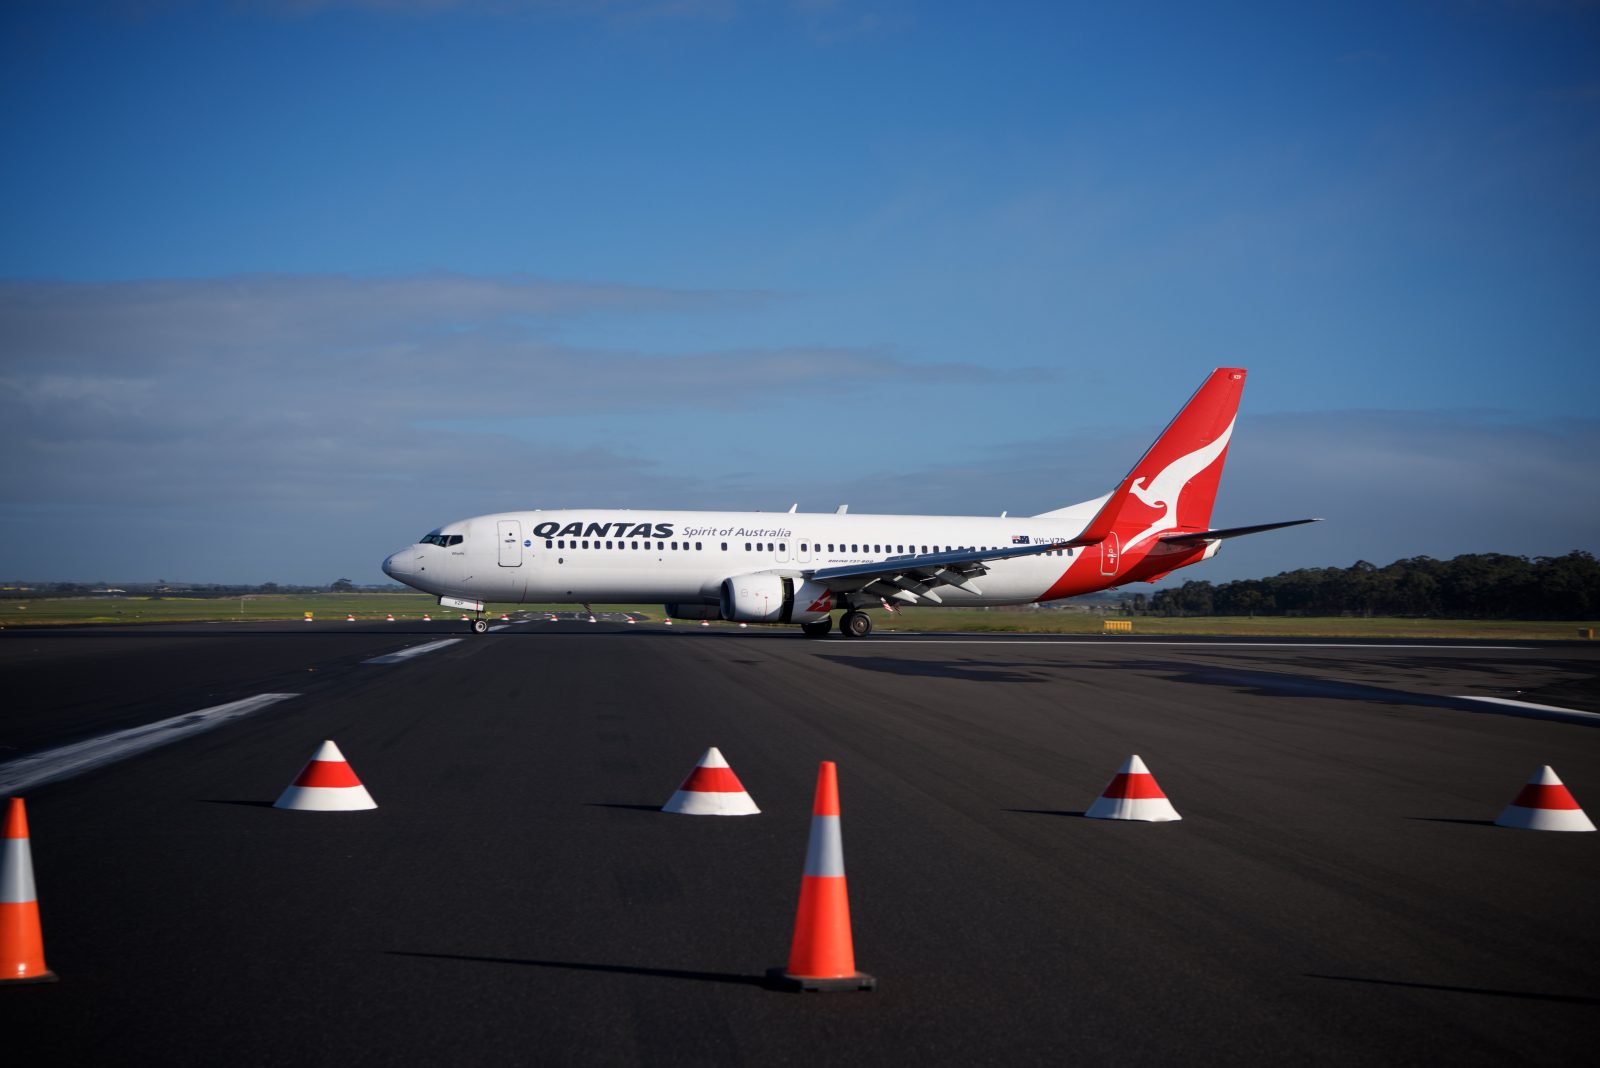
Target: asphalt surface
1334,893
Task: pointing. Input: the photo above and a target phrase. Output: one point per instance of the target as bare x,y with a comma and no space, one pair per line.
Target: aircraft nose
399,564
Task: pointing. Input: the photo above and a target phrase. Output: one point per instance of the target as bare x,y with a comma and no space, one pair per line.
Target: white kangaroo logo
1164,489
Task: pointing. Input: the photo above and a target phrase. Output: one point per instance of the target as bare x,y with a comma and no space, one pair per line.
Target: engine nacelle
770,598
692,611
754,598
812,601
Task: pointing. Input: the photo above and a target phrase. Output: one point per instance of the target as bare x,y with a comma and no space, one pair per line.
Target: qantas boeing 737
799,567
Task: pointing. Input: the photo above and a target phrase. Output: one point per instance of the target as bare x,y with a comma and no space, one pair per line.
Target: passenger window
549,545
724,546
585,543
696,546
783,547
635,545
746,546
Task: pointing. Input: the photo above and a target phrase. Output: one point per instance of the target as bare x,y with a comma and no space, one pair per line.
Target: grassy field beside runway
412,606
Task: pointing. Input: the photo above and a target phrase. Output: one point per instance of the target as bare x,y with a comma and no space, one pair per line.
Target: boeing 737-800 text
801,567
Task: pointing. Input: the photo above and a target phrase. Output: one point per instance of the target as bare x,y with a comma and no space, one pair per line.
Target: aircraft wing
1231,532
920,575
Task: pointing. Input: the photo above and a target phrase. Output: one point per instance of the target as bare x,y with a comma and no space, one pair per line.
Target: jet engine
768,598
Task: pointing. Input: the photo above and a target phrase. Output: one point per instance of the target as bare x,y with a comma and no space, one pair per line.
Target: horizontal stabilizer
1231,532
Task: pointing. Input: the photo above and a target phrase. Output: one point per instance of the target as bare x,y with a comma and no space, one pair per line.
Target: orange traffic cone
1545,804
822,956
21,940
326,784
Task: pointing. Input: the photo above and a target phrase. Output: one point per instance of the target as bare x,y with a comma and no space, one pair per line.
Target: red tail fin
1173,486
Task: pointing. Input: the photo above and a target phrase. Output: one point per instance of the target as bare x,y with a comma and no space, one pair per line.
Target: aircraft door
1110,554
510,543
804,546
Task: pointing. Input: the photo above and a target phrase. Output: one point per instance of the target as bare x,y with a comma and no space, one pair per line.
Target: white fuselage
627,556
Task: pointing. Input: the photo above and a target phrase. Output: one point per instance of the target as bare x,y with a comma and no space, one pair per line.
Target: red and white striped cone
326,784
705,623
350,618
1545,805
21,937
668,622
504,618
427,618
1132,794
391,617
822,955
464,618
712,789
629,619
744,626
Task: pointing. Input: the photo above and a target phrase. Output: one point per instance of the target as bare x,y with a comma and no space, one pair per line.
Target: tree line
1474,586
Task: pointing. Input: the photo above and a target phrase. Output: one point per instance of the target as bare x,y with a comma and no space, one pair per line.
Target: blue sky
285,284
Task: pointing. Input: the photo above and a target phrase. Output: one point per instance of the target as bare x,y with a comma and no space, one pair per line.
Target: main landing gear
855,624
479,626
817,628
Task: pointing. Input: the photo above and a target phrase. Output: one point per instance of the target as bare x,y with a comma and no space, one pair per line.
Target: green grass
411,606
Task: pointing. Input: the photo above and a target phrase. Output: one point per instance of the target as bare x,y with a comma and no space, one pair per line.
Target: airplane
800,567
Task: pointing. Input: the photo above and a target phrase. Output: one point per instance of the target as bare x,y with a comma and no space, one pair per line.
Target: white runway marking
415,650
1573,713
74,759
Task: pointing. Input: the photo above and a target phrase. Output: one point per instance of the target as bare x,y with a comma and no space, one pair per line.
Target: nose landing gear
479,625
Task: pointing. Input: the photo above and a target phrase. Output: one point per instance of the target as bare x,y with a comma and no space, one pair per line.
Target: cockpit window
435,538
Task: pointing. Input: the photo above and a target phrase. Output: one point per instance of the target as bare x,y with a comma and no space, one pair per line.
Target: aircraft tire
855,624
480,626
818,628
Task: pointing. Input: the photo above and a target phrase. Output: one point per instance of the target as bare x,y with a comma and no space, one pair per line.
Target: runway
1335,891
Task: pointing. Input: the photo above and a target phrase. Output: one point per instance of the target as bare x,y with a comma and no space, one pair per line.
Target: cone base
325,799
780,979
1138,809
1544,819
703,803
41,977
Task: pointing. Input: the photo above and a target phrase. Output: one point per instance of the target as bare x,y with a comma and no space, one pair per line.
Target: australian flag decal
1019,539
